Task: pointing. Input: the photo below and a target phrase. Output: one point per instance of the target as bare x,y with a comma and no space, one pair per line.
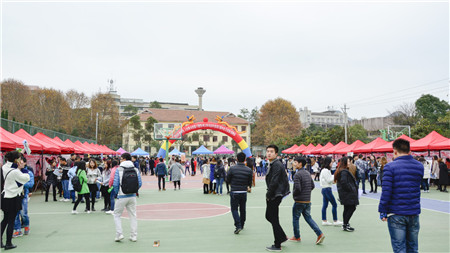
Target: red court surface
178,211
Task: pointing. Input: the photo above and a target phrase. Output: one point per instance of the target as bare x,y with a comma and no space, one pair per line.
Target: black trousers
106,196
272,211
238,201
212,186
47,190
9,217
373,178
348,212
93,189
175,183
205,188
80,197
161,178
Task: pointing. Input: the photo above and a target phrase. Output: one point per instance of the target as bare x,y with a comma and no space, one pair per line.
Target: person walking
277,188
161,172
125,179
303,185
443,175
22,218
14,176
175,171
400,198
206,181
84,192
240,179
93,177
361,166
326,182
348,192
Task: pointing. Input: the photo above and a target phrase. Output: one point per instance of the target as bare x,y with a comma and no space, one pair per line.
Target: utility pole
345,120
96,129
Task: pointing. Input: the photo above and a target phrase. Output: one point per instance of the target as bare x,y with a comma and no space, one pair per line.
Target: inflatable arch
221,126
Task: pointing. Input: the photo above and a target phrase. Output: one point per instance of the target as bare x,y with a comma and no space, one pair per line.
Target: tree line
71,112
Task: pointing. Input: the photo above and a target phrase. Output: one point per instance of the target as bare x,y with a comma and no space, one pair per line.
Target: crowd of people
86,180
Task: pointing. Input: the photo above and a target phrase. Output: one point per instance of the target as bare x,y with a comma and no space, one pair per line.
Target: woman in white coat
206,170
326,182
176,172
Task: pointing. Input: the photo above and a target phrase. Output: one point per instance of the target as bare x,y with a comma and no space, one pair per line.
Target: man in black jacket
240,179
303,185
277,187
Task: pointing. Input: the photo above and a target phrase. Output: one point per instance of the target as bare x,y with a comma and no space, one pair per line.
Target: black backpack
130,181
76,183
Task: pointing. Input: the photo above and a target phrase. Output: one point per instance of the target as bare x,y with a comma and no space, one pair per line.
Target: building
191,141
374,124
142,105
327,118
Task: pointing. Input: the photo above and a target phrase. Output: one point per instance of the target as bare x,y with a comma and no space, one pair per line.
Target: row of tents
42,144
433,141
202,150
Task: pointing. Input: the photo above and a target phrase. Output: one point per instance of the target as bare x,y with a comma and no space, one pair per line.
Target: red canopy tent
286,151
350,147
87,149
298,150
425,143
110,150
34,146
65,149
317,151
441,145
330,150
369,147
6,143
308,149
388,146
317,148
94,147
48,147
77,149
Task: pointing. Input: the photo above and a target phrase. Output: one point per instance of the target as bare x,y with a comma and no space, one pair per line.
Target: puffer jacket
347,188
401,186
277,181
303,185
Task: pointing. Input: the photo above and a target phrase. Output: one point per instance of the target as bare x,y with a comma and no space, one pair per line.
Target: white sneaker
109,212
326,223
119,238
74,212
337,223
61,200
133,238
66,200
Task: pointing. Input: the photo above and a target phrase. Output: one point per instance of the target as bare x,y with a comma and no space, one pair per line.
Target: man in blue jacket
400,199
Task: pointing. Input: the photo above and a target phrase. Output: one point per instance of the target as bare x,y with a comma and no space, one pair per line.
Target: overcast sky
370,55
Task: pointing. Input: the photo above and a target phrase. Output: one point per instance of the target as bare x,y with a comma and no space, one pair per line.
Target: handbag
206,180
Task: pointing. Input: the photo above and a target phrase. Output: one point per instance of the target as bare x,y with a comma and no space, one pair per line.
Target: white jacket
206,170
14,177
326,179
427,170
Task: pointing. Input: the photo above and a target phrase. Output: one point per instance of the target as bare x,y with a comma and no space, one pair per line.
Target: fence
12,126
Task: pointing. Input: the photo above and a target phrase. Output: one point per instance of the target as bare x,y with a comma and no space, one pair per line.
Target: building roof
168,115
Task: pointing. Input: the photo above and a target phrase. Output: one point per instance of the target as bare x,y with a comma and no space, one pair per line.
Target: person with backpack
14,176
127,182
22,218
79,183
175,171
219,175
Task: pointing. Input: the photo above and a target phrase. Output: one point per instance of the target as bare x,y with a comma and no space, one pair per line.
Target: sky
370,55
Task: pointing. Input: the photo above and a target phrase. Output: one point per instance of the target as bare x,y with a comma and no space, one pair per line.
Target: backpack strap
4,181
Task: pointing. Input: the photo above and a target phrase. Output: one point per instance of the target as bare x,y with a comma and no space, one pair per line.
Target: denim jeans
72,195
425,185
65,186
303,208
113,199
362,179
22,219
404,231
328,197
219,185
238,200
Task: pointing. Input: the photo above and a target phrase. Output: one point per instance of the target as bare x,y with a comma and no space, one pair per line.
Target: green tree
130,109
422,129
430,107
155,104
357,132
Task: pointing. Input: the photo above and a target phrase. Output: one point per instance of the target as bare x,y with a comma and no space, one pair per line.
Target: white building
327,118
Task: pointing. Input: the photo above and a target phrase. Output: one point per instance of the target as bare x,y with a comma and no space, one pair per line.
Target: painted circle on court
178,211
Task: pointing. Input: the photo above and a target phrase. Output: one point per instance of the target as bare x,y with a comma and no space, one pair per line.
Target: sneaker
133,238
326,223
66,200
26,230
61,200
320,239
119,238
104,210
337,223
347,228
93,210
87,211
273,249
15,234
74,212
109,212
237,230
294,239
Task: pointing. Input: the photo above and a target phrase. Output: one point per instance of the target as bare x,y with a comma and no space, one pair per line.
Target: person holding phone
14,176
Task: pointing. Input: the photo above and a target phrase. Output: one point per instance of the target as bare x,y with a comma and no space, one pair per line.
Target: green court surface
55,229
